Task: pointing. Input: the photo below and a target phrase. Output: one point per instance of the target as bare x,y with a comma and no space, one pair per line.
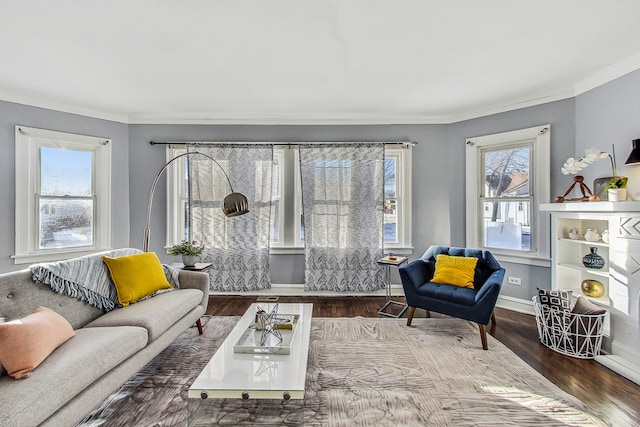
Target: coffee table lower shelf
233,375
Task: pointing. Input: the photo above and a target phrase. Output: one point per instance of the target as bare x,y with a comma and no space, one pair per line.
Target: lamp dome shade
235,204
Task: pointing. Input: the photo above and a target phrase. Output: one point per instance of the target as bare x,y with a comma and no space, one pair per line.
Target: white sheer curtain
238,246
343,207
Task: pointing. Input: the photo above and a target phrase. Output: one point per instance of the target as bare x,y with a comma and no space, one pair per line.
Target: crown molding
597,79
10,96
300,120
543,98
607,74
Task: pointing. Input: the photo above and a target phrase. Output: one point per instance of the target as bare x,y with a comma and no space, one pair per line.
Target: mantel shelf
609,207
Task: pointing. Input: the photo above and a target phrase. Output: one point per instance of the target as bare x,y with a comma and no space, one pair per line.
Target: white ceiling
303,61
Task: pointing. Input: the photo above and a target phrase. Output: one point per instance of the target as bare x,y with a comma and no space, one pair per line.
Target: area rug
361,371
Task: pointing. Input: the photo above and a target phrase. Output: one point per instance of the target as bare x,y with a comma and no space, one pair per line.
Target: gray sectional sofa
107,350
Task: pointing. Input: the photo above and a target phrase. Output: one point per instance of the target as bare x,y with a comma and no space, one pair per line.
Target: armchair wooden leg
483,336
410,315
493,318
199,325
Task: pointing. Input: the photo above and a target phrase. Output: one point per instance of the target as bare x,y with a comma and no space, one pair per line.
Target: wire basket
576,335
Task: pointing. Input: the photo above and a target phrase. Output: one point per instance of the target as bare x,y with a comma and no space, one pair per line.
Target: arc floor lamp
234,203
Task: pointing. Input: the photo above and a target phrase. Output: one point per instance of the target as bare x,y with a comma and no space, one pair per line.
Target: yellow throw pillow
455,270
136,276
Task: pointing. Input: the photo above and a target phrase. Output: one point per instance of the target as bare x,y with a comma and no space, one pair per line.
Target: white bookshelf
620,274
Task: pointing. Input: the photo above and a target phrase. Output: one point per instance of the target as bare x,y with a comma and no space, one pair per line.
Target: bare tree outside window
507,198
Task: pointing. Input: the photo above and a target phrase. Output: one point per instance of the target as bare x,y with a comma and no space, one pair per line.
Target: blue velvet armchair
475,304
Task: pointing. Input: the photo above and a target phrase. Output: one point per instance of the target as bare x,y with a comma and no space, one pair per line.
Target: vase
617,194
592,288
592,259
591,235
189,260
574,234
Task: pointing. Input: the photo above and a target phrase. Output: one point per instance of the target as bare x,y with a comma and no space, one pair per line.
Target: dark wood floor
610,396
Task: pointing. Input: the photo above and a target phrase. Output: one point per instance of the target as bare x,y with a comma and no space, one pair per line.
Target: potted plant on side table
189,251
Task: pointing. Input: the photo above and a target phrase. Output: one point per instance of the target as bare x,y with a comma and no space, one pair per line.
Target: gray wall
610,114
12,114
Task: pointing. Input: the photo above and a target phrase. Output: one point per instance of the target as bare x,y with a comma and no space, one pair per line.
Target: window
287,226
507,179
62,194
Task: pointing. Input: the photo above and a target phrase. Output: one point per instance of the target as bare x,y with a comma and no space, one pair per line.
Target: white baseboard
297,290
516,304
622,366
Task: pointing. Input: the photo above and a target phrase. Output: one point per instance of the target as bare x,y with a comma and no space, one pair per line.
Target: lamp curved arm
147,231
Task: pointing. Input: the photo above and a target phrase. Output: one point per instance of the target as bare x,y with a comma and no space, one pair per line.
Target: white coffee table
258,376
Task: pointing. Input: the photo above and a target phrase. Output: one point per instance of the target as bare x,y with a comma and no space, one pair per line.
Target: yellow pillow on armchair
136,276
455,270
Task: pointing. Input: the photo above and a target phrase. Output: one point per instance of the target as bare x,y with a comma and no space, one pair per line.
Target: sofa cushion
455,294
26,342
156,314
67,371
136,276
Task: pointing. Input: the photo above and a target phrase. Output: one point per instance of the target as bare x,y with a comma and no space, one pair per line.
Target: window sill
286,250
399,250
54,256
522,259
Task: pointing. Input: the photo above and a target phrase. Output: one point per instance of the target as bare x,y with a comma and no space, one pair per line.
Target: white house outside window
507,179
62,194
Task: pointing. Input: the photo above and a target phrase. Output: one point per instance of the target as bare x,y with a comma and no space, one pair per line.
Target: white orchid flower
596,154
573,166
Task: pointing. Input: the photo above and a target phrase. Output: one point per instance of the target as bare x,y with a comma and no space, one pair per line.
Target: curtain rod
412,143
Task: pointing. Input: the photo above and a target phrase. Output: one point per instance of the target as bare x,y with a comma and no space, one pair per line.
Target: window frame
27,150
540,139
176,223
403,156
279,155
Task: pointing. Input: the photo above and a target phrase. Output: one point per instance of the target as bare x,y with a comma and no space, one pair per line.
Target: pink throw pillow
26,342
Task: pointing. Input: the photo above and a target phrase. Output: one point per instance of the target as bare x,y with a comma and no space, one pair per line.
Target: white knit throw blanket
85,278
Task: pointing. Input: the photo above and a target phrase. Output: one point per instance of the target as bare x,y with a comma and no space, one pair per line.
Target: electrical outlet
515,281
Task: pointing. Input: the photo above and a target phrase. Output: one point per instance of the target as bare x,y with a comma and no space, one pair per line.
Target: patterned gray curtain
343,207
238,246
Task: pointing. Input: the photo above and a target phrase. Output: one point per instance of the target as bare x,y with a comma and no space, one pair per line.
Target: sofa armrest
416,273
196,280
492,286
